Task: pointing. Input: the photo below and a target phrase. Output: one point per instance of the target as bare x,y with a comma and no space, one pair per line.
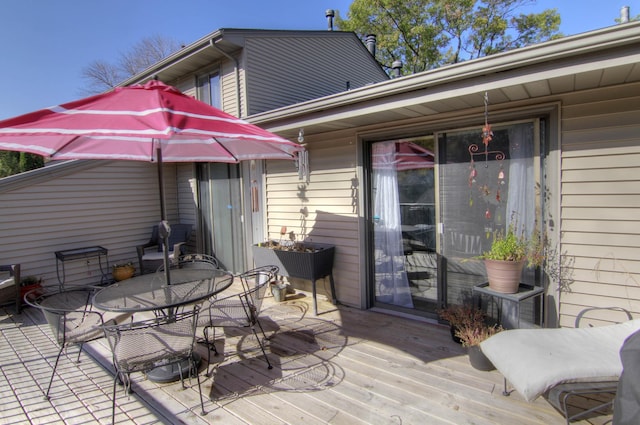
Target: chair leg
194,366
55,366
113,403
505,392
262,347
181,373
210,345
261,329
79,352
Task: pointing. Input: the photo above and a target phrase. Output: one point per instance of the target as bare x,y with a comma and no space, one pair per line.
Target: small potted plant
460,316
123,271
471,336
507,256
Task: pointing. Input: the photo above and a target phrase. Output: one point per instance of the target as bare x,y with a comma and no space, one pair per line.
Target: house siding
323,210
595,200
275,75
228,78
113,204
600,206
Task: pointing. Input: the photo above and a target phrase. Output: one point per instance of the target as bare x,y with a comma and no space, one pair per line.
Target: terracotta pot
122,273
478,360
504,276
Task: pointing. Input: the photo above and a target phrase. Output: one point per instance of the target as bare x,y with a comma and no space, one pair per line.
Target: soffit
589,61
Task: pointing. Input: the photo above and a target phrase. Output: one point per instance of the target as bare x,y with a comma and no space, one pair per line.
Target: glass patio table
149,292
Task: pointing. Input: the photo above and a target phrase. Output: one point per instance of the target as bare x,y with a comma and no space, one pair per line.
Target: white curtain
521,195
392,285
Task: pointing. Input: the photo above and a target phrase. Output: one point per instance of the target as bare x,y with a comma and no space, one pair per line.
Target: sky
47,43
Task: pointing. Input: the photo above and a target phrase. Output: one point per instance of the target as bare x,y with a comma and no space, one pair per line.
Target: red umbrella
151,122
402,156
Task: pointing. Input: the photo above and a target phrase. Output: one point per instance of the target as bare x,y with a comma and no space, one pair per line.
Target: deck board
344,366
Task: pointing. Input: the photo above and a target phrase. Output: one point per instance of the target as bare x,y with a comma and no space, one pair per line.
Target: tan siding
113,205
332,215
229,93
187,86
601,200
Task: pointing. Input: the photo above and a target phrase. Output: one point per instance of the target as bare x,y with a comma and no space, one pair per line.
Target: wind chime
474,151
302,161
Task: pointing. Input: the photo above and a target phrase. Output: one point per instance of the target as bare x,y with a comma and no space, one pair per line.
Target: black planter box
302,265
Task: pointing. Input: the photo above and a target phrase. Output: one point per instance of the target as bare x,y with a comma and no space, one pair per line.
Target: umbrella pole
163,227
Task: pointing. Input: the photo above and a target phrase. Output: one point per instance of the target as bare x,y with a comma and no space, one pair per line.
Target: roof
585,61
226,40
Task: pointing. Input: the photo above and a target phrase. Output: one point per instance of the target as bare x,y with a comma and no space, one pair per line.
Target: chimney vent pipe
330,14
370,40
397,67
624,14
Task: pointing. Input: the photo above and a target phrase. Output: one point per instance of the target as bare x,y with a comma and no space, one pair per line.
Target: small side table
80,254
525,292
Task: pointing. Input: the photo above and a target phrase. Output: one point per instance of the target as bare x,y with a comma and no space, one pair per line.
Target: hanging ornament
472,173
487,134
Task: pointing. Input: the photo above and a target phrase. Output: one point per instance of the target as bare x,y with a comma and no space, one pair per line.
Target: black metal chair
70,316
143,345
241,309
150,254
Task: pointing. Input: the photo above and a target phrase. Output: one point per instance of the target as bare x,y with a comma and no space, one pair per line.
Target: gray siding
276,76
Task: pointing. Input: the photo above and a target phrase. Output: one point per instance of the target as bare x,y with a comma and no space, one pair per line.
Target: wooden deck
344,366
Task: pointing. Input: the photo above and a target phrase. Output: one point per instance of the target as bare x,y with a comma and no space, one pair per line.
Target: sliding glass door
482,189
221,213
434,204
403,218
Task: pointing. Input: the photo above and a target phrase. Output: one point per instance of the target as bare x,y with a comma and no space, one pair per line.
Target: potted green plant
507,256
123,271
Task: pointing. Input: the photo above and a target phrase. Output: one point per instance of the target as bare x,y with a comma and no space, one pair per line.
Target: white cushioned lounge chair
572,361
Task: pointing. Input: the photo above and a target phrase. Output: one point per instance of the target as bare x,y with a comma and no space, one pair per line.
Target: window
209,89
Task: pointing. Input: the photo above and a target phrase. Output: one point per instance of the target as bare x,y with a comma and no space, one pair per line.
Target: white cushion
154,256
6,283
536,360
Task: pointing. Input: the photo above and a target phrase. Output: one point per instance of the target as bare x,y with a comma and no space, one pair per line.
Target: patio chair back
70,317
150,254
219,281
141,346
242,309
255,283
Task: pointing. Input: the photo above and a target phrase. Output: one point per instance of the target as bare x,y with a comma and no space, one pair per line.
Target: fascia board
556,50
